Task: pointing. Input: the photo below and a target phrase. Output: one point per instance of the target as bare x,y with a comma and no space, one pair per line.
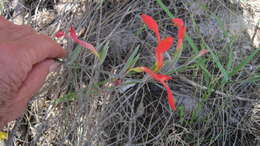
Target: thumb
31,85
35,79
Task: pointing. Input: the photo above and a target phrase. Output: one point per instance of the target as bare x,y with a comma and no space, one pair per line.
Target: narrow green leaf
244,62
66,98
251,79
216,60
132,59
228,48
103,53
74,55
220,24
181,110
166,10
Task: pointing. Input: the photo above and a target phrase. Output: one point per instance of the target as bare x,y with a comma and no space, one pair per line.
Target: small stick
215,91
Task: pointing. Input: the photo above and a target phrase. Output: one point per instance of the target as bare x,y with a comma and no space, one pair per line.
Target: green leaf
251,79
181,110
192,44
66,98
136,69
132,59
166,10
74,55
230,54
216,60
244,62
103,53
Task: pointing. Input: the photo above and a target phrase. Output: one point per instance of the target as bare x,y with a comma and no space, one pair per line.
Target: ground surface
217,95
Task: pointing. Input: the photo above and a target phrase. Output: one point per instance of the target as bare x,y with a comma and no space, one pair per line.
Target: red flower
181,32
152,24
74,36
162,79
163,46
59,34
82,43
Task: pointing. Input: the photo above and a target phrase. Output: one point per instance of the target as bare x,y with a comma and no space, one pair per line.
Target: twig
215,91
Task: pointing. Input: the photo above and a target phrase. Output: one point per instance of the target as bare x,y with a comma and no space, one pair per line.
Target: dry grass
91,111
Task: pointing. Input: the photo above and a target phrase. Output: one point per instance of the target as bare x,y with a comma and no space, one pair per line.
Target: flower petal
151,24
181,31
162,78
163,46
59,34
170,97
159,61
84,44
73,34
178,22
87,45
151,73
158,77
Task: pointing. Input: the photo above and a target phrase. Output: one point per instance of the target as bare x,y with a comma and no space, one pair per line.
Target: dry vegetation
217,95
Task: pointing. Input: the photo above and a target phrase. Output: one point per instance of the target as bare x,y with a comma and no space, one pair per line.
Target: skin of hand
26,58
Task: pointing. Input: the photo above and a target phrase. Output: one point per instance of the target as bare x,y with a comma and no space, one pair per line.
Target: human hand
26,58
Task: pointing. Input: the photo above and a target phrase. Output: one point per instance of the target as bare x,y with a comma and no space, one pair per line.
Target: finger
36,48
31,85
4,22
35,80
10,31
40,47
15,32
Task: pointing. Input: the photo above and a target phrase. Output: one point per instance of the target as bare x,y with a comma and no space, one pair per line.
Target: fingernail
53,67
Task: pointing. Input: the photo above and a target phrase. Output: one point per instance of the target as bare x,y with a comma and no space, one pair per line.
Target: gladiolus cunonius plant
163,45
